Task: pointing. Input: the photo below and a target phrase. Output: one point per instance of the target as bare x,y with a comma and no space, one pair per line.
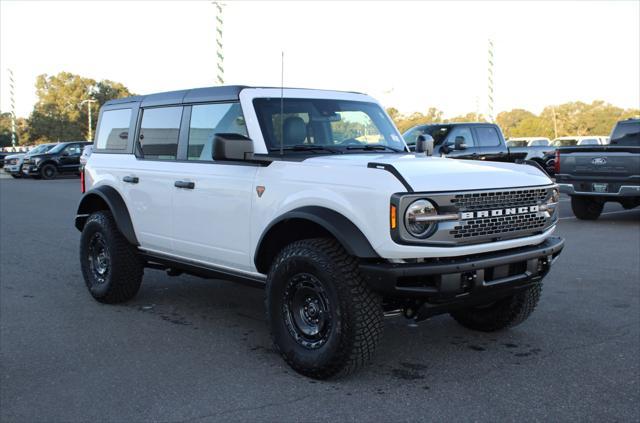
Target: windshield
564,143
58,148
589,141
42,148
438,133
326,125
537,143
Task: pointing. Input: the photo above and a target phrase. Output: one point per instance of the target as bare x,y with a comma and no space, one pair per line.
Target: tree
58,115
469,117
5,130
509,121
403,123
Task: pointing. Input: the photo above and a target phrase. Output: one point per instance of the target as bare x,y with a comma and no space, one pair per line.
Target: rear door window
159,132
487,136
113,133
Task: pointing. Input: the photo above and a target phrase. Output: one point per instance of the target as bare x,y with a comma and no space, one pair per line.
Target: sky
409,55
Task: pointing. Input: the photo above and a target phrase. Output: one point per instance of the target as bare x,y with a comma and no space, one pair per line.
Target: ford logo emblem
599,161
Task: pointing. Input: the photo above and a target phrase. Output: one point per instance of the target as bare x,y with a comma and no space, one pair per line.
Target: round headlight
415,215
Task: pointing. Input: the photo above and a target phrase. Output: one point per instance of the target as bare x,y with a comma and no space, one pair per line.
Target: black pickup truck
474,141
593,175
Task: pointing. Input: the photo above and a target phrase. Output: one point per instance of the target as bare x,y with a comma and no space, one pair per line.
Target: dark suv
63,158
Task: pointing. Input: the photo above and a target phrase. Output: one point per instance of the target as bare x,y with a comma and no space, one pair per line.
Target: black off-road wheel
505,313
586,208
48,171
111,267
325,321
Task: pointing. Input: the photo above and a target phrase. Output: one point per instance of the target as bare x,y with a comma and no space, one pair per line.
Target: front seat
295,131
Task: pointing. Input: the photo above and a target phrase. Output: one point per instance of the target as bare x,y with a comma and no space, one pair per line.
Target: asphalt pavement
188,349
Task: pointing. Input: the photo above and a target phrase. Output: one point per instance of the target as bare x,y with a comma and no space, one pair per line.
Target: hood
442,174
14,156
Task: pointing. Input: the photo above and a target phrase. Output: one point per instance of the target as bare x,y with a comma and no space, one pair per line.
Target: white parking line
615,212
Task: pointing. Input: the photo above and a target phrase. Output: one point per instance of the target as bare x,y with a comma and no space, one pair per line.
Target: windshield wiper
372,147
308,147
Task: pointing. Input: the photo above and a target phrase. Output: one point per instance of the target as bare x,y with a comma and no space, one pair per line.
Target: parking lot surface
188,349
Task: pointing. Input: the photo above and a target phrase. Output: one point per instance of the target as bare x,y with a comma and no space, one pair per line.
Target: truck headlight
552,202
418,219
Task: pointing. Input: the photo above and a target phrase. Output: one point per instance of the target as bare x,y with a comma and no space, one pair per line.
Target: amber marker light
393,217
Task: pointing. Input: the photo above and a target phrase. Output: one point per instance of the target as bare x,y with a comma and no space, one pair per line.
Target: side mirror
64,153
232,147
460,144
424,144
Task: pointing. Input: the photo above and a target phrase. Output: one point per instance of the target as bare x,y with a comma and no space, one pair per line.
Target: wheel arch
106,197
310,222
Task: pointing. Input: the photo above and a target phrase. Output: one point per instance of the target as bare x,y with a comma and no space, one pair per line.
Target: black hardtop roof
194,95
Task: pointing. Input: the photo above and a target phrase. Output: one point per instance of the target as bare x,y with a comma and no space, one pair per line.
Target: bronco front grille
499,225
496,199
484,215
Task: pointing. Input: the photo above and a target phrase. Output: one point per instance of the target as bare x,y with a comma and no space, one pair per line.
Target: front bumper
464,280
30,170
12,169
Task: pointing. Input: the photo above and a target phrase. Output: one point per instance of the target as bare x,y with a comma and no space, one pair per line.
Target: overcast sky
410,55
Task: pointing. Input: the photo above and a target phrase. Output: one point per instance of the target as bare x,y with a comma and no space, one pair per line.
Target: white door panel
212,220
150,202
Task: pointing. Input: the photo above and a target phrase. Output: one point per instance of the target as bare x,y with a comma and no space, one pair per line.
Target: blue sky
411,55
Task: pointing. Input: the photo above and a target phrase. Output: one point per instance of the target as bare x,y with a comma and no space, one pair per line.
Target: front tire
324,319
111,267
586,208
48,171
505,313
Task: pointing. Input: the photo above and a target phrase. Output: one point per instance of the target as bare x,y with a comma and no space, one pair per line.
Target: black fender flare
93,200
341,228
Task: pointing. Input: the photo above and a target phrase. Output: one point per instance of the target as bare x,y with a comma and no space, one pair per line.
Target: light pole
89,101
219,47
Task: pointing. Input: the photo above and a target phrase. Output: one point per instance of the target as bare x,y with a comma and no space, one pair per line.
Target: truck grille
496,199
499,225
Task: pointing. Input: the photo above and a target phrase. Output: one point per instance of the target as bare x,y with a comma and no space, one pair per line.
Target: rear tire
502,314
111,267
586,208
324,319
48,171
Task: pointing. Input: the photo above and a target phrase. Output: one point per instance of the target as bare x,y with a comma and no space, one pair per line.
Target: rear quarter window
113,133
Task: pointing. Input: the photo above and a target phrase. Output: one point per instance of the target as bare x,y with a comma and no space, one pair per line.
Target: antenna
282,104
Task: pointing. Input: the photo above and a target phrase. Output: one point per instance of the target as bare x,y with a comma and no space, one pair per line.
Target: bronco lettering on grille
499,212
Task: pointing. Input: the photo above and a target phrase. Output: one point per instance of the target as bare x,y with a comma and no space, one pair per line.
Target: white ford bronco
315,196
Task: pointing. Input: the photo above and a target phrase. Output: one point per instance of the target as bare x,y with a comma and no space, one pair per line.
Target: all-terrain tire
101,242
586,208
502,314
48,171
353,313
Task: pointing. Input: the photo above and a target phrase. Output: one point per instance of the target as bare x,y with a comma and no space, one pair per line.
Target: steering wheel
351,141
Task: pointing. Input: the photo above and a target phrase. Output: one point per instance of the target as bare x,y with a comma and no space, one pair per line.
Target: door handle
131,179
184,184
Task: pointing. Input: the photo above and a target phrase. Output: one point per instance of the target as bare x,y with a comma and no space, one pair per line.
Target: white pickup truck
314,196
